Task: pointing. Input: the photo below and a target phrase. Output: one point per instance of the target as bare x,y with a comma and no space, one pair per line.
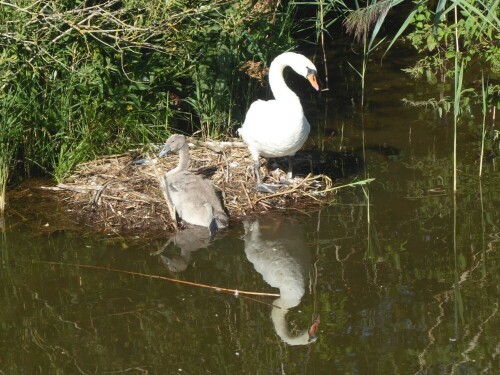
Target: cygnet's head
174,143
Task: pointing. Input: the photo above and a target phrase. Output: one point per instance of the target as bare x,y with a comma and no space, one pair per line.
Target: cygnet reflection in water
277,249
187,240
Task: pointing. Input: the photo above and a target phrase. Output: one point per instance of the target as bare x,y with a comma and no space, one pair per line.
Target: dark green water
404,275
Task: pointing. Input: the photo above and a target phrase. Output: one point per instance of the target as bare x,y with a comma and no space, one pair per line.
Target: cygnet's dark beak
164,151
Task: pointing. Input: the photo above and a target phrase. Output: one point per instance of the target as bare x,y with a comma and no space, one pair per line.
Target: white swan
277,128
192,198
278,252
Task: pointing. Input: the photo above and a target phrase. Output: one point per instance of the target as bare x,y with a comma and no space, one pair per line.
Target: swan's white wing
275,128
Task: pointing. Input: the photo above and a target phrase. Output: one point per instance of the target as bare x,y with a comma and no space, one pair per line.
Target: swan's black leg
213,228
289,175
263,188
256,167
310,160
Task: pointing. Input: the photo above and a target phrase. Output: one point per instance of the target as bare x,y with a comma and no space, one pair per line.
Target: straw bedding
115,194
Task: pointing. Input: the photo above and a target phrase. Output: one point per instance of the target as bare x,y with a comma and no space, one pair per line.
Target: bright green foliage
85,78
435,34
438,31
80,78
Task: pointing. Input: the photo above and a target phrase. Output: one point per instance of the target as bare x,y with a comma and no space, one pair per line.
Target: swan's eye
311,71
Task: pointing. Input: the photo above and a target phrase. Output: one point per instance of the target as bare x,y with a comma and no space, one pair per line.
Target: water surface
403,274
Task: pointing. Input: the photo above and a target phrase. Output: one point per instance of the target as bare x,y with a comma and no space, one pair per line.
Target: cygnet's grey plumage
193,198
188,241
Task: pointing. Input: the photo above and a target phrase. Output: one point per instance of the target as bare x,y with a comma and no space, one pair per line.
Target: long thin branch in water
216,288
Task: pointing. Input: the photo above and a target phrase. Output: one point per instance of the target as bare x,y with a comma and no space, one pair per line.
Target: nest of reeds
115,194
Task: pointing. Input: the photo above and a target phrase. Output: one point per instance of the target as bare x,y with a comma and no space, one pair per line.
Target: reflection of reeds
442,299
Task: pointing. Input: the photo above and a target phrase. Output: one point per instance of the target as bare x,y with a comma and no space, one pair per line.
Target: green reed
12,109
327,13
367,22
484,97
448,46
458,81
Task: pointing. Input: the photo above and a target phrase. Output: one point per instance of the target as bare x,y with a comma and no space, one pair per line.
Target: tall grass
102,79
458,80
212,110
484,97
12,109
246,34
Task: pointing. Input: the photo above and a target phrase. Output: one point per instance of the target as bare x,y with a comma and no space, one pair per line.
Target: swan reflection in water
277,249
187,240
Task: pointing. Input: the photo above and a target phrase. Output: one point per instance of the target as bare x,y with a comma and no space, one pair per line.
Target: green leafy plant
435,36
448,37
102,78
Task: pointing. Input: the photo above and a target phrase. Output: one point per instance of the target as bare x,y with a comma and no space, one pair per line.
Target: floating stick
236,292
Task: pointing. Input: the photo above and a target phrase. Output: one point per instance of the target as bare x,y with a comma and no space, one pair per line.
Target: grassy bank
81,79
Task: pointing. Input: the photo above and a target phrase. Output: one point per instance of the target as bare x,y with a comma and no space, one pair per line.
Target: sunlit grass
12,108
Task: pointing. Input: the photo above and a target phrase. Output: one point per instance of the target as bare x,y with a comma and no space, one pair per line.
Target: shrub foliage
80,78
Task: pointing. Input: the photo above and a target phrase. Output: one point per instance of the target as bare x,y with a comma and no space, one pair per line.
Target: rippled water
402,274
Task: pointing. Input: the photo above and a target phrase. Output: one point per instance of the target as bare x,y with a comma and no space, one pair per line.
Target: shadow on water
338,165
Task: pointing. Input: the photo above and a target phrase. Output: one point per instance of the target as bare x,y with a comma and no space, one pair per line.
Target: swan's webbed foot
259,186
265,188
291,181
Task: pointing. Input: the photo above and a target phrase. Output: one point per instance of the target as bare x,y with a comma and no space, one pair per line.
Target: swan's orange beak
312,80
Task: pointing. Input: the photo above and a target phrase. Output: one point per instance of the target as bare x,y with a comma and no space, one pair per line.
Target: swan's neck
280,89
183,159
278,316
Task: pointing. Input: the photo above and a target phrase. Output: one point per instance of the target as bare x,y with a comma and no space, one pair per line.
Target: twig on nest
302,183
217,146
246,194
227,163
